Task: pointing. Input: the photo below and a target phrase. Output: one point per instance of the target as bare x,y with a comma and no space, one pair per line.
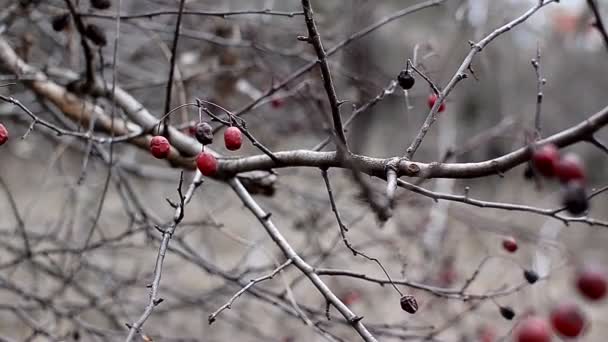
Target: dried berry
60,22
591,283
568,320
3,134
96,35
203,132
570,168
533,329
233,138
545,159
507,312
406,79
160,147
531,276
207,164
431,102
509,244
409,304
574,198
101,4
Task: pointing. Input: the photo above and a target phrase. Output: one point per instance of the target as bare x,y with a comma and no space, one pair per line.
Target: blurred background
61,191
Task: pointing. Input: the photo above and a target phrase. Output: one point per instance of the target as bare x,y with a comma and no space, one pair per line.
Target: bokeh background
90,295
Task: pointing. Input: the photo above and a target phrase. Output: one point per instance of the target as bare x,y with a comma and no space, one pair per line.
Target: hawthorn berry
203,132
509,244
96,35
160,147
531,276
568,320
545,159
277,102
574,198
533,329
60,22
101,4
409,304
591,283
207,164
431,102
233,138
3,134
570,168
406,79
507,312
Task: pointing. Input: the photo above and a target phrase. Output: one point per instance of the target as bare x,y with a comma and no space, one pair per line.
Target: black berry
96,35
101,4
409,304
530,276
60,22
575,198
507,312
405,79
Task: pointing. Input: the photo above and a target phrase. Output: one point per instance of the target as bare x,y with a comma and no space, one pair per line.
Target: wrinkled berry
531,276
203,132
574,198
409,304
160,147
406,79
507,312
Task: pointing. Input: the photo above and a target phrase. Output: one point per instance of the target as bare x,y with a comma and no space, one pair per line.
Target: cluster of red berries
3,134
569,170
566,319
203,132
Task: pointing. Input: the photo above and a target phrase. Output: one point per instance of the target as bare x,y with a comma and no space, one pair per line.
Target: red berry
277,102
160,147
568,320
545,159
591,283
569,168
233,138
3,134
207,164
431,102
486,334
509,244
351,297
533,329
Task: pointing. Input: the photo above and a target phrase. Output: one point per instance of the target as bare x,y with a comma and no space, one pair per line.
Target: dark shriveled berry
406,79
203,132
507,312
101,4
96,35
409,304
575,198
60,22
531,276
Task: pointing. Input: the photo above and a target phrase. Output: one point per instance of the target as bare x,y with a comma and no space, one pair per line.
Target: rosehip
207,164
203,132
406,79
160,147
3,134
101,4
568,320
569,168
545,159
575,198
431,102
233,138
533,329
509,244
591,283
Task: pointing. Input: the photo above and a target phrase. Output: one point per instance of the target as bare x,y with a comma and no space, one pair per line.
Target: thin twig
169,88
